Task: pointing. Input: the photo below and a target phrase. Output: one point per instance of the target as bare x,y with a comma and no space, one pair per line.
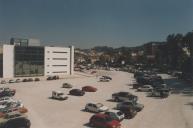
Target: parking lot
175,111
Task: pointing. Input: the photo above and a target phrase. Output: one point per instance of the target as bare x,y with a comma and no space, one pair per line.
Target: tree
174,50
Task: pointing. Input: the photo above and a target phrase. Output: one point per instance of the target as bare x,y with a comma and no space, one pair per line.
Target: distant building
24,42
26,58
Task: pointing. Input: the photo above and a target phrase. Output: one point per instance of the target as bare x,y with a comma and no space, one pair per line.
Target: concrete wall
57,61
1,61
71,60
8,61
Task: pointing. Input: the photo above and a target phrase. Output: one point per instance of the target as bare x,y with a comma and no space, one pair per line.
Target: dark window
59,58
60,72
58,65
29,61
59,52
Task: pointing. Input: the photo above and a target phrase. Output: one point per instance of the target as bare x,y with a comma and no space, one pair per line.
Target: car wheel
116,99
91,124
86,109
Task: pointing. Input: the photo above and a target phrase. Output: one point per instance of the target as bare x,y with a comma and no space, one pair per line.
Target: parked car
77,92
188,91
17,80
30,79
145,88
55,77
103,121
49,78
11,81
5,99
138,107
37,79
115,114
107,77
89,89
136,85
96,107
102,79
11,105
93,72
159,85
59,95
7,92
124,96
129,112
66,85
3,82
25,80
160,92
17,123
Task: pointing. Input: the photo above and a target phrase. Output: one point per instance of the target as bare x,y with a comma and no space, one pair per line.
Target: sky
89,23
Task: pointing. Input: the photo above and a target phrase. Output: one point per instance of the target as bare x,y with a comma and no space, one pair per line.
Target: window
58,65
60,72
59,52
29,61
59,58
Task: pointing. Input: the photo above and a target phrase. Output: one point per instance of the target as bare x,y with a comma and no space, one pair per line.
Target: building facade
29,60
58,60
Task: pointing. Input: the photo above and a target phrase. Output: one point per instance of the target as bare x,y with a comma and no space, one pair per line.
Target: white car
11,105
96,107
3,82
11,81
115,114
145,88
59,95
102,79
5,99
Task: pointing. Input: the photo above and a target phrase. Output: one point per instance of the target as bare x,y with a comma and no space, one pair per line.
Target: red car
104,121
89,89
93,72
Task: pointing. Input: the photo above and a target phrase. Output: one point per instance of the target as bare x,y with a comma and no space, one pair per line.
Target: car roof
147,85
57,91
101,115
94,103
75,89
88,86
113,110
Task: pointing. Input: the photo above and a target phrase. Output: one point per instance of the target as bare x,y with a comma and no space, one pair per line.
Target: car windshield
59,94
99,105
108,119
119,113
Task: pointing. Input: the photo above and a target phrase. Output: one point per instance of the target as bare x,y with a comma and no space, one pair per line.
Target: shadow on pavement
87,125
190,104
110,100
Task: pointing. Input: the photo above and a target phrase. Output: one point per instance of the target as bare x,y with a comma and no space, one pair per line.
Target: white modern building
58,60
24,59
